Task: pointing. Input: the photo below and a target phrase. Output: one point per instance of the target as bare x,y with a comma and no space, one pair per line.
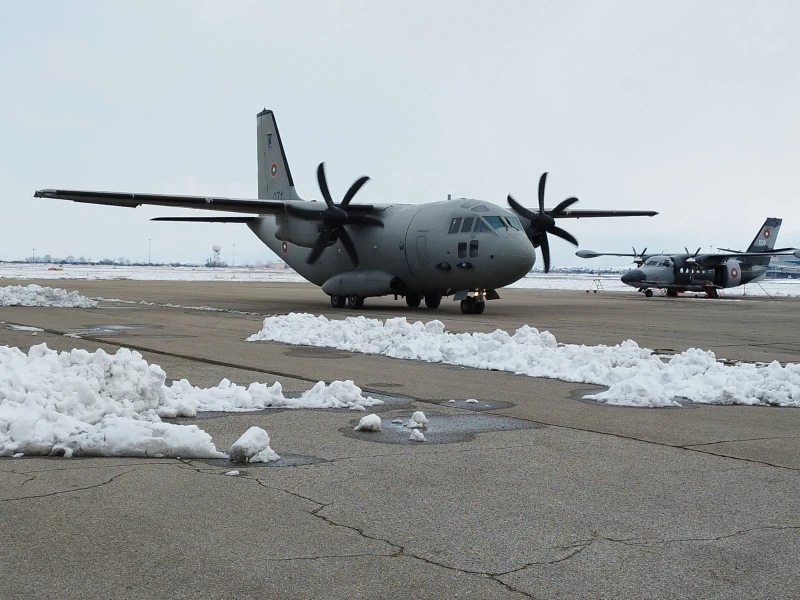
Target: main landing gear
431,300
353,301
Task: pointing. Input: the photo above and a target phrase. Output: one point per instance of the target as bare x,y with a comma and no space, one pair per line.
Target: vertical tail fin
274,177
765,240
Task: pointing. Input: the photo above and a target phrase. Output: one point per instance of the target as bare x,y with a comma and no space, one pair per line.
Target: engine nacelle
297,231
362,283
731,273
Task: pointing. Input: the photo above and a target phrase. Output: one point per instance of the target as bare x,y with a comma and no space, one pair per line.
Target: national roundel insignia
767,233
284,247
734,272
273,170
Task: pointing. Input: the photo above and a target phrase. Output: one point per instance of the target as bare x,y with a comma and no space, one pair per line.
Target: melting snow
417,436
36,295
252,446
418,420
97,404
636,376
369,423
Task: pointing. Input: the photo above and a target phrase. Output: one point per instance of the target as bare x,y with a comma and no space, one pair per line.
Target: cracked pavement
597,502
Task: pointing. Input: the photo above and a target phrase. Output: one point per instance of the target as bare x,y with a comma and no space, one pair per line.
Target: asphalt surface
565,499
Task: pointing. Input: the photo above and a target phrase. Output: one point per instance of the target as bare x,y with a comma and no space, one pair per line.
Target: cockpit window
481,226
652,262
496,222
467,226
514,221
455,224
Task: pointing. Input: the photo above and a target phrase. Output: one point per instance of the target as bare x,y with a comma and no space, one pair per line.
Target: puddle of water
286,460
480,405
442,429
110,329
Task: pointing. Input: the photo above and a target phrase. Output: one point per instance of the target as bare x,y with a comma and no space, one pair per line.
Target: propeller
544,222
690,258
334,217
639,258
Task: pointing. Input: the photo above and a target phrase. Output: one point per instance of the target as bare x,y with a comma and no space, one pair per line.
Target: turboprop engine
297,231
731,273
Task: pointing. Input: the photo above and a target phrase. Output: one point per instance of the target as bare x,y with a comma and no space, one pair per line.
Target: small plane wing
131,200
593,254
589,213
713,259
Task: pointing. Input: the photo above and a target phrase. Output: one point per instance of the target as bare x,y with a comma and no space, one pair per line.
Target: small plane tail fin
765,241
274,177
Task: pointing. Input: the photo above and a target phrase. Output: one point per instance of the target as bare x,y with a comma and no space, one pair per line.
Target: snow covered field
82,403
36,295
635,376
552,281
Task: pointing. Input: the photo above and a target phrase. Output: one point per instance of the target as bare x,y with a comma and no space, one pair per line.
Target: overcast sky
689,108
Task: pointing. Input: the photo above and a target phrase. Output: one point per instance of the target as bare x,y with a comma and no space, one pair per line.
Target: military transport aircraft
687,272
463,247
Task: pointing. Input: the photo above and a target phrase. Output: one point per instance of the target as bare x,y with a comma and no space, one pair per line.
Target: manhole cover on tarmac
442,429
476,404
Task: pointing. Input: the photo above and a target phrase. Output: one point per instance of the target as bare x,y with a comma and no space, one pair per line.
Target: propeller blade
643,252
698,250
564,235
353,191
519,209
687,250
302,212
562,206
368,220
319,245
542,181
323,185
349,246
545,248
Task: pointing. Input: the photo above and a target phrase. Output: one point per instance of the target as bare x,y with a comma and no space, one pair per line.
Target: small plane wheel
480,306
413,300
337,301
355,301
433,300
468,306
672,293
648,293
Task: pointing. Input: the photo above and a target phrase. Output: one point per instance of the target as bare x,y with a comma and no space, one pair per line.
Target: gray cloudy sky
689,108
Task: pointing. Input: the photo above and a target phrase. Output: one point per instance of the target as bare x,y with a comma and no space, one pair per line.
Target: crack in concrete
61,492
777,437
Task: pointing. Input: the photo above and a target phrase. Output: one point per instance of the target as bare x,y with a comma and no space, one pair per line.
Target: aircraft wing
715,259
589,213
593,254
131,200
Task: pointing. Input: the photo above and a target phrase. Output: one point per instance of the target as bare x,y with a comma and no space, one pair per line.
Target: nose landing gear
473,305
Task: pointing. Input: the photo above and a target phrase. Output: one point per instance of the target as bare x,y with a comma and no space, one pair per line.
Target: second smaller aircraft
709,272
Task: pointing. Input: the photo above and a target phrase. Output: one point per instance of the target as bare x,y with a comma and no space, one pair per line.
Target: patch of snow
453,401
418,419
36,295
14,327
417,436
635,376
18,455
252,446
369,423
472,401
232,473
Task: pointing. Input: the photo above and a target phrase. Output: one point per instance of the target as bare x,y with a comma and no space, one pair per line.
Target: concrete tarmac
585,501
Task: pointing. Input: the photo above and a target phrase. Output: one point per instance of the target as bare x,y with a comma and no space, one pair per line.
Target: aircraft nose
633,277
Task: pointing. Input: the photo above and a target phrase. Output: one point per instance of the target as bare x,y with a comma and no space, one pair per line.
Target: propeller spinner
544,222
334,218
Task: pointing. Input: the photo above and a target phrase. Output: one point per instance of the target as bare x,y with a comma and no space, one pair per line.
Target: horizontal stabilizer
208,219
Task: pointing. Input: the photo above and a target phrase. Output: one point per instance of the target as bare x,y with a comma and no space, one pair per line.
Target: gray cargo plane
463,248
687,272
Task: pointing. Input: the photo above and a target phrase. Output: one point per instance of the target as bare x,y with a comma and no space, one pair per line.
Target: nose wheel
473,305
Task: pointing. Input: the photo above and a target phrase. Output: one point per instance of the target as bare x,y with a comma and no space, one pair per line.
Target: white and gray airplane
464,248
708,272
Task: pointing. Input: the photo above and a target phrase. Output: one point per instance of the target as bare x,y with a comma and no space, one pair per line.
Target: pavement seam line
61,492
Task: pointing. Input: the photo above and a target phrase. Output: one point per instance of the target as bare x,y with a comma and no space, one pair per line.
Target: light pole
234,256
148,251
33,258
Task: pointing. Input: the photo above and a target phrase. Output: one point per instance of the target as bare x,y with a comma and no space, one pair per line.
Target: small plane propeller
544,222
639,258
691,258
334,218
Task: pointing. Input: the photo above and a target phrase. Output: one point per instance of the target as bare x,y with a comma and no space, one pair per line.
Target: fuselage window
473,248
496,222
455,224
467,226
480,226
462,249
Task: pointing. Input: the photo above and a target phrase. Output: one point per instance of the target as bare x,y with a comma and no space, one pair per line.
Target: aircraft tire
433,300
355,302
480,307
413,300
468,306
648,293
337,301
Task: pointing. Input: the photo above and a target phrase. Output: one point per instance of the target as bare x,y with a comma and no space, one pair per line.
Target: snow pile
417,436
252,446
418,420
635,376
97,404
369,423
36,295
